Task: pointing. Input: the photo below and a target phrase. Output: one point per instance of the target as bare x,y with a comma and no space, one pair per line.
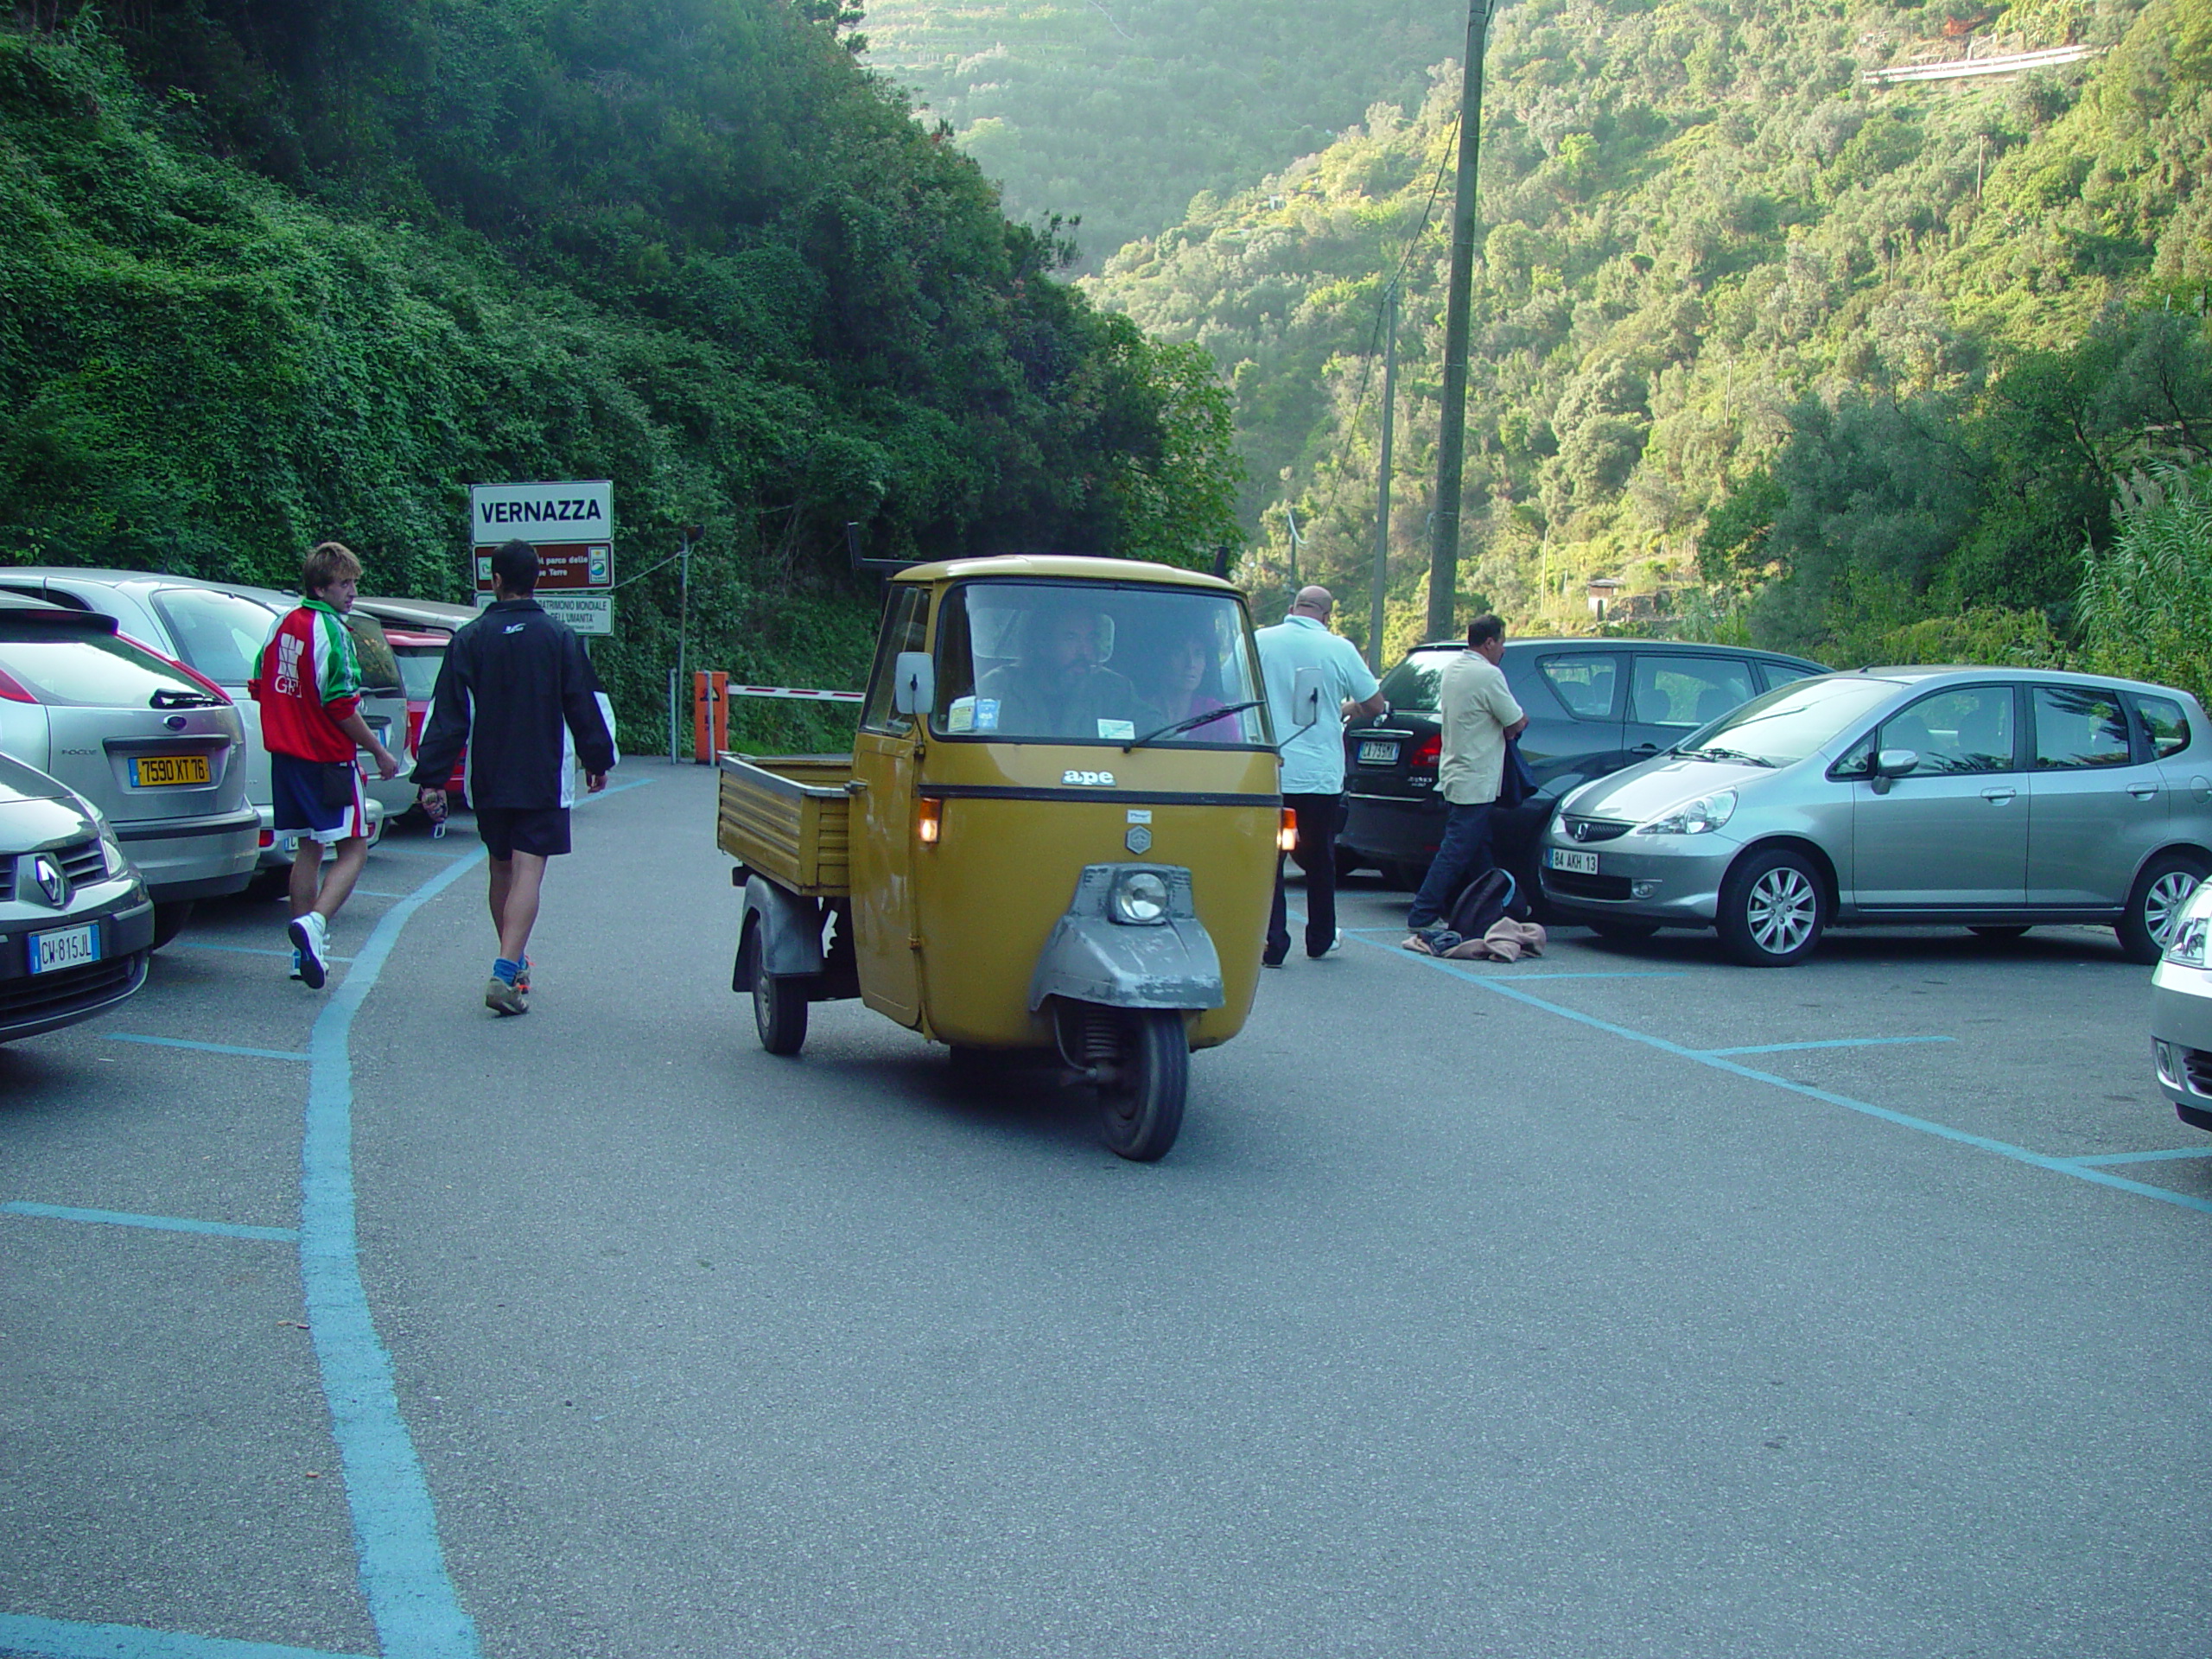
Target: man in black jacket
517,690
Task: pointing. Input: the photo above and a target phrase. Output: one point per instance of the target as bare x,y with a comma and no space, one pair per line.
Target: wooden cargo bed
786,816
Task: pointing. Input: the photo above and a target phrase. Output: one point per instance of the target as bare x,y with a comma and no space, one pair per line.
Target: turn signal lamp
1286,836
928,821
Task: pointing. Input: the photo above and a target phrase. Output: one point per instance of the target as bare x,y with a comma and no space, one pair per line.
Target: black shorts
507,830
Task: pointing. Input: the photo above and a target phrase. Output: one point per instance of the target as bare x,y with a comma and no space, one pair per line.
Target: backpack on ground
1485,901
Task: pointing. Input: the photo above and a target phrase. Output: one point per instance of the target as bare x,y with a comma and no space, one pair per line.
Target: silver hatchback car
160,753
218,629
1994,797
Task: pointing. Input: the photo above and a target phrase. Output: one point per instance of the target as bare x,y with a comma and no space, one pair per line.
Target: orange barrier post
710,715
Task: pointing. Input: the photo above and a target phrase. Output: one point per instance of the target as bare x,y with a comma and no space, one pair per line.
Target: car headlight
1141,899
112,851
2186,945
1696,817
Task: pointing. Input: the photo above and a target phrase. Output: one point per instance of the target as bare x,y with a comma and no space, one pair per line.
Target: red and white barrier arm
801,693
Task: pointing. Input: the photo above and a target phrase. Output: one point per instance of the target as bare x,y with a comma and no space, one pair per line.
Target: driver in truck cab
1060,686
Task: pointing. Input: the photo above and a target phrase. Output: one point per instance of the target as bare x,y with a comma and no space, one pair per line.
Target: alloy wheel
2162,904
1782,908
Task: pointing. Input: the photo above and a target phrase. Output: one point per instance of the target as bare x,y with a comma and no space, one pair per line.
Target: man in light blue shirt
1314,757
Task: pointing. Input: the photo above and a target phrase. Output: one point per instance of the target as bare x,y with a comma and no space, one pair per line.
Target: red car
419,630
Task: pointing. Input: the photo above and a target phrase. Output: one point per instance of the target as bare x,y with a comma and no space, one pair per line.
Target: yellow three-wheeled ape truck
1058,830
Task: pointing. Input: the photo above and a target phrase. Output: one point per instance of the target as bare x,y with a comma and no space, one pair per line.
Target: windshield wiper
1204,717
1728,754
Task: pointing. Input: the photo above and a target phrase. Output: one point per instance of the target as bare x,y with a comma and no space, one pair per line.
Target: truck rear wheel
1142,1104
778,1001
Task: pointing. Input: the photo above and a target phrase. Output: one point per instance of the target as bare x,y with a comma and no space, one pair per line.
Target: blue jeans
1463,854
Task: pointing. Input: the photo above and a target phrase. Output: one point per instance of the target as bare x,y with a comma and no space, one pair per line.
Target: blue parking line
1832,1042
400,1561
1903,1120
243,949
62,1639
204,1048
2103,1159
376,892
157,1224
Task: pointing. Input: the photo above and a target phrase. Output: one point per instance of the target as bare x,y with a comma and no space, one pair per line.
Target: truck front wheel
1142,1103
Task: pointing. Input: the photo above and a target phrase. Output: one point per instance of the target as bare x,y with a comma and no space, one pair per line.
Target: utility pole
1383,506
682,630
1452,438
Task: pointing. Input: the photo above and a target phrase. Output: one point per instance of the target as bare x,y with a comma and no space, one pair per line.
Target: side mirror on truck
1305,697
913,688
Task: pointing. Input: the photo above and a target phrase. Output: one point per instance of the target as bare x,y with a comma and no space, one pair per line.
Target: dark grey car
1998,798
1593,706
76,923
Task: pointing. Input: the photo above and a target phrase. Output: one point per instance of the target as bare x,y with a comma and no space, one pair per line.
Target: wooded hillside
1119,111
1743,324
275,273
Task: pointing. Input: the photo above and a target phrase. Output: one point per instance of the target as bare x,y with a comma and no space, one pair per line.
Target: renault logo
52,882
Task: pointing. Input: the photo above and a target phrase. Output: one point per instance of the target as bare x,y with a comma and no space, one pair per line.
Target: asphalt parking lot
1616,1301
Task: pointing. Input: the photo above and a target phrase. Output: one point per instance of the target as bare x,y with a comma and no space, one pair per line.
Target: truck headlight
1140,899
1696,817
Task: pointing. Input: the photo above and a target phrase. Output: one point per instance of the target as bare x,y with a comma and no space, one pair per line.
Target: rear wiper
1204,717
1728,754
166,698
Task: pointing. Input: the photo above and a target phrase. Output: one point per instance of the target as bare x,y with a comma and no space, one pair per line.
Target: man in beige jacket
1479,714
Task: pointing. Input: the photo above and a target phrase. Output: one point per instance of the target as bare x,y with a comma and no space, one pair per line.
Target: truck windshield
1068,663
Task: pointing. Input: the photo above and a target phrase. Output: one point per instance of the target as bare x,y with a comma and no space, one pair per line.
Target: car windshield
1790,722
418,668
219,634
93,671
1411,687
1054,662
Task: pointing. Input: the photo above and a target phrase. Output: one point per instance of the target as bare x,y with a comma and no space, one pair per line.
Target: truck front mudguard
1091,957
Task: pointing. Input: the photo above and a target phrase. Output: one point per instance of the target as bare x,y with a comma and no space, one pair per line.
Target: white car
2181,1013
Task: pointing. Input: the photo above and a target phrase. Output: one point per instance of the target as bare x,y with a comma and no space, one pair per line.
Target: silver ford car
1997,799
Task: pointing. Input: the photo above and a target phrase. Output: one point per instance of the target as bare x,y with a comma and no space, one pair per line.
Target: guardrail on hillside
2010,63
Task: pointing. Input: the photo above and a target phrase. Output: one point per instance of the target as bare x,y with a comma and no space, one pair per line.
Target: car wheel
169,920
1772,909
2153,909
1623,930
778,1001
1401,875
1999,929
1142,1105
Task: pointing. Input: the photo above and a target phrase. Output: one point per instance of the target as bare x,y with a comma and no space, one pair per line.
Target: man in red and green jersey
309,690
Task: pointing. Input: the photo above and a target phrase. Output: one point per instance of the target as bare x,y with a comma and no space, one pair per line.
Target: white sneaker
1334,945
308,936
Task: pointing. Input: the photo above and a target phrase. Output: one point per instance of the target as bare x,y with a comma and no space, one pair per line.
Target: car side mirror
1305,697
1890,765
913,688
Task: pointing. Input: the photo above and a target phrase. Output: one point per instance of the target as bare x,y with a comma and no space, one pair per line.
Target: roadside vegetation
279,273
